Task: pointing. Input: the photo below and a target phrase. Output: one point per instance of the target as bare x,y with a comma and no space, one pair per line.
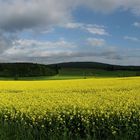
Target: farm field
88,109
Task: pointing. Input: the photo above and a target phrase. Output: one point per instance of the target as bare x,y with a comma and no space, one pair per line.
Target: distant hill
25,70
71,68
96,65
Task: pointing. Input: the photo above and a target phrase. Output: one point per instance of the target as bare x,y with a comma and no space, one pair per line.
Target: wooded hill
32,69
95,65
26,70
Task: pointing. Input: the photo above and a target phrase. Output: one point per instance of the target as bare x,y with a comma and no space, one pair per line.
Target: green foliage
25,70
68,125
75,70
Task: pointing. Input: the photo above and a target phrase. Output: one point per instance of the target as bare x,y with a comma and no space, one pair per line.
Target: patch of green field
95,73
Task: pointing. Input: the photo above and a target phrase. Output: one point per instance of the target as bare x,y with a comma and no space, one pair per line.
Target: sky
54,31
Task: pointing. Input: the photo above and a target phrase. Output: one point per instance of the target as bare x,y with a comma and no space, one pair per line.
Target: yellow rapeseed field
106,108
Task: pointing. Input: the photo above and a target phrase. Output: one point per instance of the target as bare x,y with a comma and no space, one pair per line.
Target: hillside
96,65
69,70
25,70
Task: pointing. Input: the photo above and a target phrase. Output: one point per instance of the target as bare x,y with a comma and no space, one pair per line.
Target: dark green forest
26,70
32,69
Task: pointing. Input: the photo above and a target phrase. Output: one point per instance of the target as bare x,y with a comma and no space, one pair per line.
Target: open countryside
69,69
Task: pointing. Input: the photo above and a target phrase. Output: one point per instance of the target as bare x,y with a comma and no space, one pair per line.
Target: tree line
26,70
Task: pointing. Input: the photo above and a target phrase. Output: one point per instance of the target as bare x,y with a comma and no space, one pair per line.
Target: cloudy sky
51,31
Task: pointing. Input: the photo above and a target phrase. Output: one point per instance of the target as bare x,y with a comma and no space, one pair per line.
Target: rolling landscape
69,69
64,101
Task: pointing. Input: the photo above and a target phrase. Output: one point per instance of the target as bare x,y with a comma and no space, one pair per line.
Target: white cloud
97,31
27,14
91,28
44,44
46,51
60,51
17,15
34,48
130,38
96,42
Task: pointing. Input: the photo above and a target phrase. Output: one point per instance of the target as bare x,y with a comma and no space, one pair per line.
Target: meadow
88,109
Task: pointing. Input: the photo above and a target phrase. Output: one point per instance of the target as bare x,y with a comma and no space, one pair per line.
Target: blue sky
45,31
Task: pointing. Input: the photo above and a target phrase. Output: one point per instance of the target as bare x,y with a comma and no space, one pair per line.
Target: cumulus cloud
17,16
25,14
34,48
46,51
